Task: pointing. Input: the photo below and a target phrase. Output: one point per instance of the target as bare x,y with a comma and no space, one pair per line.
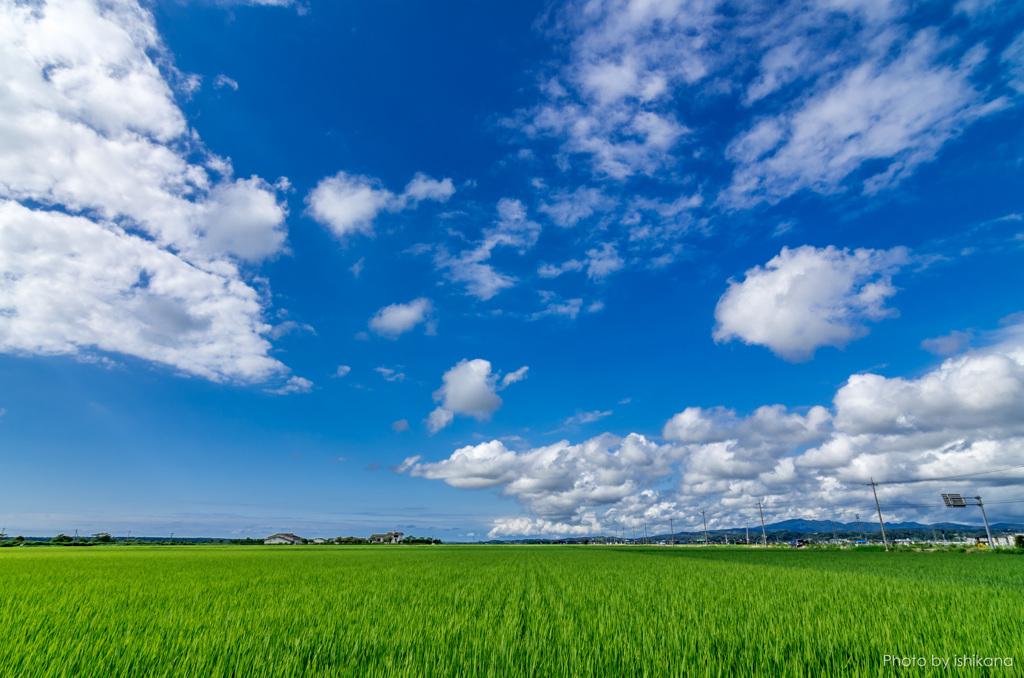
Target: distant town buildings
291,539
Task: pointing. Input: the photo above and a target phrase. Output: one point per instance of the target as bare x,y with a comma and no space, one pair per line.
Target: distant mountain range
801,528
797,525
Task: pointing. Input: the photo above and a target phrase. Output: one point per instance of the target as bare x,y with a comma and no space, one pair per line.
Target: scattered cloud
348,204
288,327
954,342
513,377
224,81
512,229
556,306
898,110
293,385
422,187
1013,57
400,426
611,101
806,298
357,267
439,418
342,370
397,319
567,209
833,97
470,389
603,262
783,227
264,3
586,417
389,374
553,271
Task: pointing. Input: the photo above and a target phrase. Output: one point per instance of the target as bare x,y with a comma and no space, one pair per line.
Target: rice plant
502,611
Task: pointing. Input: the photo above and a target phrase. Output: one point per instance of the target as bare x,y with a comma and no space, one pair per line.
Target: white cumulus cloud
349,204
807,297
397,319
560,482
959,418
470,389
119,231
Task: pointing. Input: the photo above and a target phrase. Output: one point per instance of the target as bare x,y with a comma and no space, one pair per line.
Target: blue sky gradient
476,270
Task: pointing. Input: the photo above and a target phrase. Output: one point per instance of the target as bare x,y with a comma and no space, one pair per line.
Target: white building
389,538
283,538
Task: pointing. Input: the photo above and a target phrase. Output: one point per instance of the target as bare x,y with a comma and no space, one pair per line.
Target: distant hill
798,528
808,526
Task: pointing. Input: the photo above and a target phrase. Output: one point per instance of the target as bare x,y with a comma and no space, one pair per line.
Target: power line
900,506
957,477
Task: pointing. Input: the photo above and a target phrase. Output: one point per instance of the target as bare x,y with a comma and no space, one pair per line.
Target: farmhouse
319,540
283,538
389,538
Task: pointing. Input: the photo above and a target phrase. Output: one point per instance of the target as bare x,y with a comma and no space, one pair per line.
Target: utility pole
748,535
645,533
634,535
763,532
956,501
672,531
991,544
859,528
707,540
880,521
835,537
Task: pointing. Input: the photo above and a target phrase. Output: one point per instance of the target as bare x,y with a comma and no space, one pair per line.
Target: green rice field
504,611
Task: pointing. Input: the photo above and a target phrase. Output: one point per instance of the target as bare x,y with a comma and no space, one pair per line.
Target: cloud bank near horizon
958,418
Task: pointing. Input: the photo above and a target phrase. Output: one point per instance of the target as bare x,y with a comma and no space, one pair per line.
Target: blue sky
506,269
